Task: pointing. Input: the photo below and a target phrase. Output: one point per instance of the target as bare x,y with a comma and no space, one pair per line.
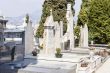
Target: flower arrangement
84,64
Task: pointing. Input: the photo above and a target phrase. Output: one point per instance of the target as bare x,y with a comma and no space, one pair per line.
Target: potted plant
35,52
58,53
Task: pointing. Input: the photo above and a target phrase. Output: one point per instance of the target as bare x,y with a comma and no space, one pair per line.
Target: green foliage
96,13
77,35
58,51
77,31
83,16
40,31
59,13
27,18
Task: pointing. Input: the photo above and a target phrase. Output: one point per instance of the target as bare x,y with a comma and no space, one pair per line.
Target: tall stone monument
48,46
61,29
61,35
53,33
81,37
29,36
84,36
70,21
57,35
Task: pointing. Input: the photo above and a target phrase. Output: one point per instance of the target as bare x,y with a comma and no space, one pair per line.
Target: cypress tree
97,15
59,8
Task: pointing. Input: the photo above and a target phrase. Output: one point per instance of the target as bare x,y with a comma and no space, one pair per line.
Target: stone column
84,36
81,37
70,22
29,42
61,29
57,35
61,35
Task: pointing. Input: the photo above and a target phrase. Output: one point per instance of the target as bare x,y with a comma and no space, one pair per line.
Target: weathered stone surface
29,43
48,45
84,36
70,26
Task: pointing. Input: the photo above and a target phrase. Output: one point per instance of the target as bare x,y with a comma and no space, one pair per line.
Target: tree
98,17
83,15
59,13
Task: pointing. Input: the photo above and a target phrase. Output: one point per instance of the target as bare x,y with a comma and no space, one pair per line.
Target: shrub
58,50
58,53
35,52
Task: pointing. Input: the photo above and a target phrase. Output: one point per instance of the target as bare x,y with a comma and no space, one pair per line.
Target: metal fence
5,54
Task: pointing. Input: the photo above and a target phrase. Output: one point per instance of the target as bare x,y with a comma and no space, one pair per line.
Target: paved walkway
105,68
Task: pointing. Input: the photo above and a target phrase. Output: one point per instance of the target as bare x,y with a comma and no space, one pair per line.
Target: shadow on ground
14,67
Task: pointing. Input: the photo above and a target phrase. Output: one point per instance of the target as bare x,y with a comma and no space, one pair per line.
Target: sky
15,8
77,7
